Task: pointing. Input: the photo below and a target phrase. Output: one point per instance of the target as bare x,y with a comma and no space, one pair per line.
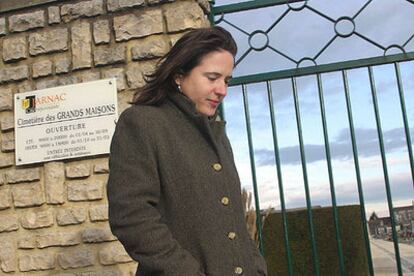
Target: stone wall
53,216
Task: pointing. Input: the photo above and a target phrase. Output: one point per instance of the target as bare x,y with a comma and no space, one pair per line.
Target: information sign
65,122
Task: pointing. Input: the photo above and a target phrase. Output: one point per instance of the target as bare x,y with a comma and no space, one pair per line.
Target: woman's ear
178,79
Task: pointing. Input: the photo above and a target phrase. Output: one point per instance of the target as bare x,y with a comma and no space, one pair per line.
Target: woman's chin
207,111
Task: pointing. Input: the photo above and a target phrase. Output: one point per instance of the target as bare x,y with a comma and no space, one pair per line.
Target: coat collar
211,129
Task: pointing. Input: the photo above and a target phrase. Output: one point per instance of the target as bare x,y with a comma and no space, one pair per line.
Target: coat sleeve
133,194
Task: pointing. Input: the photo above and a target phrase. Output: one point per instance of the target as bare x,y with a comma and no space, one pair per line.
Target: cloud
367,144
346,190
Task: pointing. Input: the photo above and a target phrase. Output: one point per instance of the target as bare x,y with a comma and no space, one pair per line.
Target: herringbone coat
174,194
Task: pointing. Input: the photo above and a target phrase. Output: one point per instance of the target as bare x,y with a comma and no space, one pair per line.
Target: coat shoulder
141,115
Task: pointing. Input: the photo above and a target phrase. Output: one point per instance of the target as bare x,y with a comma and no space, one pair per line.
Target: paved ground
384,258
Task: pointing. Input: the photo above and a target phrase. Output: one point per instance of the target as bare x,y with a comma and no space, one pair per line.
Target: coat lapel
210,129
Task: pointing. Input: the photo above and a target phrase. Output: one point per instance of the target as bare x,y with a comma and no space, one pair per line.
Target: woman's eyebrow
216,74
212,73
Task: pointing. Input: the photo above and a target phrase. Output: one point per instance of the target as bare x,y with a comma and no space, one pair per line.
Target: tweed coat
174,194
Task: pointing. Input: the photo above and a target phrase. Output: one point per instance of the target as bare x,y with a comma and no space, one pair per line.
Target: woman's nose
221,89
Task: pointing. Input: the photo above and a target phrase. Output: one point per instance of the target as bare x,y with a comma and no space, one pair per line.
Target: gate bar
331,179
305,180
358,173
324,68
280,180
404,113
384,167
243,6
253,168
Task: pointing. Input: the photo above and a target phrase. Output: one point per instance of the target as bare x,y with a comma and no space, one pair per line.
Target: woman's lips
214,103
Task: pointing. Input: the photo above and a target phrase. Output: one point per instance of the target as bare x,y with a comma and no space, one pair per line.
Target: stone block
97,235
5,199
175,37
35,220
116,5
98,213
101,166
22,175
7,141
183,15
90,76
8,262
152,47
24,87
54,182
6,160
14,73
78,170
42,68
113,253
7,123
135,74
105,272
101,32
81,45
28,195
3,29
123,100
14,48
28,242
205,5
141,24
48,41
26,21
70,216
76,259
8,223
58,239
48,83
37,261
156,2
62,65
82,9
54,14
84,191
117,73
6,99
105,55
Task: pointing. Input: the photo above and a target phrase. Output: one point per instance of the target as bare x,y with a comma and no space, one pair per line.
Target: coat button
217,167
225,200
231,235
238,270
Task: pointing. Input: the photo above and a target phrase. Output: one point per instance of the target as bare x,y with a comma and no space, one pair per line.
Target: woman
173,190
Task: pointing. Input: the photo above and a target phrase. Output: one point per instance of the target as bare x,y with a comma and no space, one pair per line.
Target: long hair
186,54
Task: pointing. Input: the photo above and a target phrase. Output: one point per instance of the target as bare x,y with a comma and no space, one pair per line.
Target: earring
179,88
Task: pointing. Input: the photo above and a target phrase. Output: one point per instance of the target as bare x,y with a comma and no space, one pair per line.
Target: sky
303,34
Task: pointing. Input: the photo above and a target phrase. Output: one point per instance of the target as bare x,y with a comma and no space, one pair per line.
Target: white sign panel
65,122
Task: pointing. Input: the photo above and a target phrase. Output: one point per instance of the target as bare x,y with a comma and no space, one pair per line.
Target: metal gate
330,41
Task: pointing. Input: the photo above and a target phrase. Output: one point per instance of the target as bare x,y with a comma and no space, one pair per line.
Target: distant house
404,222
404,216
379,226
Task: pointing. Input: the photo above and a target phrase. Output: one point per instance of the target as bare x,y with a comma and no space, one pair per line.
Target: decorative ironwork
342,27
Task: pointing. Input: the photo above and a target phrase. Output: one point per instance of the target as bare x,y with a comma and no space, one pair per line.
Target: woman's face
206,84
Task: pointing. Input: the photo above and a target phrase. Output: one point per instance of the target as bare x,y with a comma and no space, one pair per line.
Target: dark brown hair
186,54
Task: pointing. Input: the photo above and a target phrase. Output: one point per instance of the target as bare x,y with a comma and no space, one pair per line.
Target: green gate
327,24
